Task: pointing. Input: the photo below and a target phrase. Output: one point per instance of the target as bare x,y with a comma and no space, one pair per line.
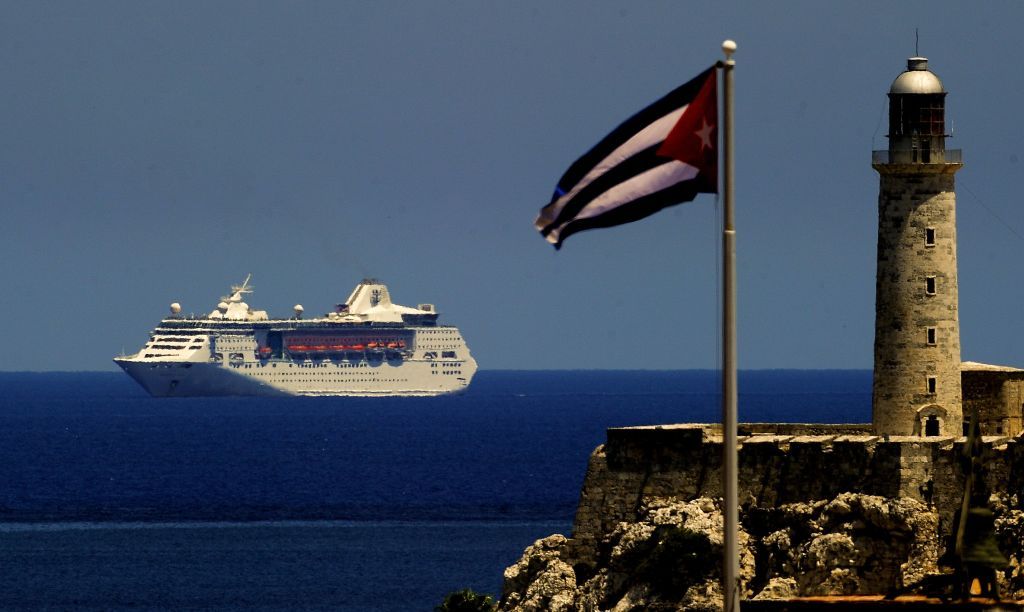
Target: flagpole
730,511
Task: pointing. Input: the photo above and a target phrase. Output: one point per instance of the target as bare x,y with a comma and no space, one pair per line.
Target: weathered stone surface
668,558
913,199
778,588
541,580
836,515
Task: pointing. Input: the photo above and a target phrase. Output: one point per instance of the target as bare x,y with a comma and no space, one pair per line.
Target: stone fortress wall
780,464
997,393
824,509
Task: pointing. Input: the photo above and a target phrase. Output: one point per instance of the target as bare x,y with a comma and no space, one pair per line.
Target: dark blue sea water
111,500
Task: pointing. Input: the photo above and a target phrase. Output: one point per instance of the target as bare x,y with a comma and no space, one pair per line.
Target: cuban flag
665,154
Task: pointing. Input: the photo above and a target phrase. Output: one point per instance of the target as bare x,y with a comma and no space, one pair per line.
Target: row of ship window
154,343
297,376
294,375
308,365
444,355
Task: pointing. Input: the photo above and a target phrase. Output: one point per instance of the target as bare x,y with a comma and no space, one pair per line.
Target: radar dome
298,310
175,308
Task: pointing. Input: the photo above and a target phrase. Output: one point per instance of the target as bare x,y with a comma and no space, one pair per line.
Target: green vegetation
467,600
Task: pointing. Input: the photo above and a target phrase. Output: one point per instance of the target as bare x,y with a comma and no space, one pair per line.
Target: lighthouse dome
917,79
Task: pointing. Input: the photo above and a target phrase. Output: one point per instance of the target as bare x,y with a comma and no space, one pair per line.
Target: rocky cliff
839,512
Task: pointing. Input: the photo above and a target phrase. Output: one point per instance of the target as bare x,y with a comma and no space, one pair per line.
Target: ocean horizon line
515,370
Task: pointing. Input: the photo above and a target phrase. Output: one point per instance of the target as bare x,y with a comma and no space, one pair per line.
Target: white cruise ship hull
191,379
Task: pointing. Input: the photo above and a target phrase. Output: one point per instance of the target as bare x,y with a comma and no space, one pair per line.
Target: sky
155,152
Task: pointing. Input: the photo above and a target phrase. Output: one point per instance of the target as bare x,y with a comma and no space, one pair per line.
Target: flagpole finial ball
729,47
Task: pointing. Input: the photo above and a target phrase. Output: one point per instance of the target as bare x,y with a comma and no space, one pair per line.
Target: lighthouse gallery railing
917,156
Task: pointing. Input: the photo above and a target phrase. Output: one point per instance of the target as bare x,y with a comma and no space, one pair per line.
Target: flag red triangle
694,139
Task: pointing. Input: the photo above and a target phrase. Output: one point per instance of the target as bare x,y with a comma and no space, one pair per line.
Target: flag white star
704,133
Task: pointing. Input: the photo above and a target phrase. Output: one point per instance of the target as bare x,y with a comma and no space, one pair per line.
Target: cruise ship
367,346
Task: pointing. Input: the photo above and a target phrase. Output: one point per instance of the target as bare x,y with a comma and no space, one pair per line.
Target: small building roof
974,366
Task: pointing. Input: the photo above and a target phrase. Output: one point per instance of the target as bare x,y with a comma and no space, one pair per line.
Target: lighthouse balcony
916,156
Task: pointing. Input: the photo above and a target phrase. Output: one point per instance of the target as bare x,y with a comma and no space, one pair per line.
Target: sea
113,500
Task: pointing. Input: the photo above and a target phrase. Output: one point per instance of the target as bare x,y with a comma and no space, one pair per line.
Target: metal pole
730,511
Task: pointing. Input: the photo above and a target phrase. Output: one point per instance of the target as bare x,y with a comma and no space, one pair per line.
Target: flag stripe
651,136
652,181
675,99
644,184
636,165
683,191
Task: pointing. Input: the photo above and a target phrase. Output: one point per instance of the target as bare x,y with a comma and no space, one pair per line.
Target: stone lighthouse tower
916,389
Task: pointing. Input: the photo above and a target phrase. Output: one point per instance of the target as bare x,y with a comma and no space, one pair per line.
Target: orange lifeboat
372,345
357,347
298,348
392,345
320,348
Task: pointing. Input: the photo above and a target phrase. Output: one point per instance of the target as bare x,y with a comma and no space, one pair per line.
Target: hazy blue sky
153,152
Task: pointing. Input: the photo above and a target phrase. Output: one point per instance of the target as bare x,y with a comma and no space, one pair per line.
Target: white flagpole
730,511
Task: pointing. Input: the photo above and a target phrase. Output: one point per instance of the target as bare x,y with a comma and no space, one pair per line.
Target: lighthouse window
929,236
932,384
929,285
930,335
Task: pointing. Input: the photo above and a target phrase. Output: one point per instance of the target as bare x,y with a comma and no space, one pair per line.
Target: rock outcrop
663,551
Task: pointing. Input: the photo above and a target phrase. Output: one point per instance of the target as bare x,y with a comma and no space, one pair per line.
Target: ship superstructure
367,346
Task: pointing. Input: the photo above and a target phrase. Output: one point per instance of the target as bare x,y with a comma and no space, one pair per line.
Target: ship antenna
244,287
238,290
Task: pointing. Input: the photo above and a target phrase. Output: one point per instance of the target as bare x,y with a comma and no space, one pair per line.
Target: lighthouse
916,389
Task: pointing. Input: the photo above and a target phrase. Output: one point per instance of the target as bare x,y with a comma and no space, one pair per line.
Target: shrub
467,601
